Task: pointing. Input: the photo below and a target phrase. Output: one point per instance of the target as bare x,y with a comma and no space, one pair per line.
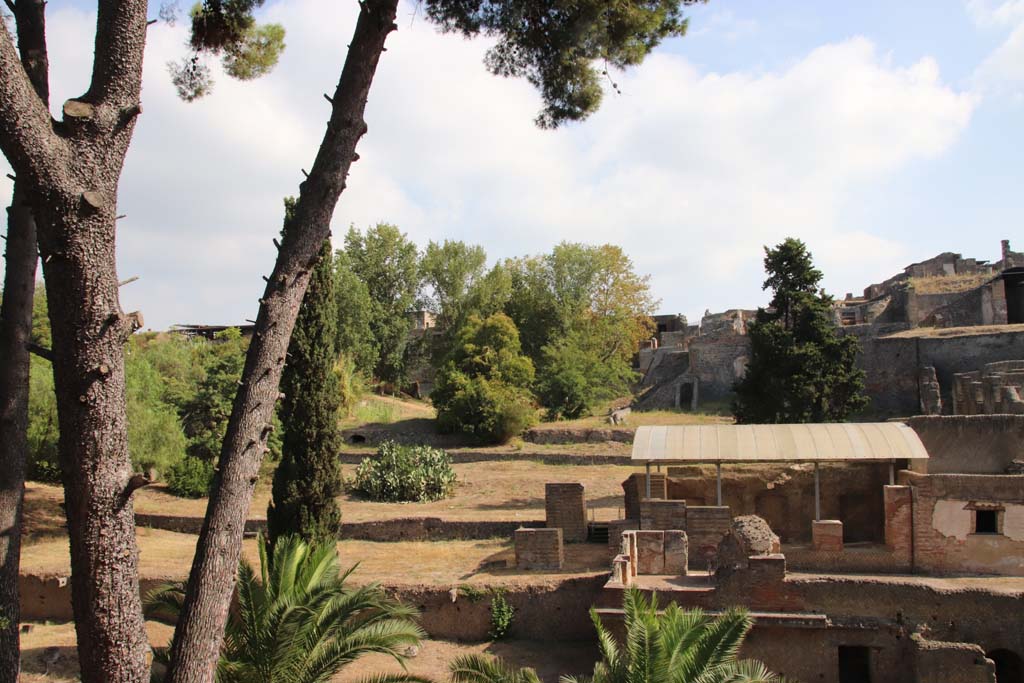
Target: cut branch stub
74,109
97,200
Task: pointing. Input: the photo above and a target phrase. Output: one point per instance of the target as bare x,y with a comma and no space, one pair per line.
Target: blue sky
881,133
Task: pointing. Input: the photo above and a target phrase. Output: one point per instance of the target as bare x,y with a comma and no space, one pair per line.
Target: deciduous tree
71,170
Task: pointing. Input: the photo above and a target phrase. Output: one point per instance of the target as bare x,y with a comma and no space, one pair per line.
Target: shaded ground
55,643
168,555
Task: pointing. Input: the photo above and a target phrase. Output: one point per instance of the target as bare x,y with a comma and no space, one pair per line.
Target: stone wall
706,526
891,364
944,511
565,506
942,662
662,514
995,389
969,444
718,361
539,549
635,488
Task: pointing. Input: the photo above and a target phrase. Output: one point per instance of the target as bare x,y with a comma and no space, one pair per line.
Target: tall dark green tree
309,476
801,369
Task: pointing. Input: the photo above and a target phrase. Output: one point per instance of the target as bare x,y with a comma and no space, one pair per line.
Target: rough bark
71,170
15,334
200,629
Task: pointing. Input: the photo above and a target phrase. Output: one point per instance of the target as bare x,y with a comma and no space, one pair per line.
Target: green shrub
190,477
483,387
501,615
406,473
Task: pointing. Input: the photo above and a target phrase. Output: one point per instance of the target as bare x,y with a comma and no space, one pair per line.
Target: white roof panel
832,442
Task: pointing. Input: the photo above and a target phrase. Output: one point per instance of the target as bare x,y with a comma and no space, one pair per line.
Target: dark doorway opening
1013,282
854,664
1009,668
686,396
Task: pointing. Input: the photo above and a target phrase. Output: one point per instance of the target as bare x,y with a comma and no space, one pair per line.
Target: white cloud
690,171
1002,71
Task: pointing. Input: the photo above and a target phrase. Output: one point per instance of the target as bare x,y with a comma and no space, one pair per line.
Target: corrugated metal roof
835,442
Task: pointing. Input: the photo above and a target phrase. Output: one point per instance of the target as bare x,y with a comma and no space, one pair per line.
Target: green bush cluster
406,473
501,615
190,477
483,387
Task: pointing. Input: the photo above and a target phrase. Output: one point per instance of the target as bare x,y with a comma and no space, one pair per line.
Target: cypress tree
801,369
309,476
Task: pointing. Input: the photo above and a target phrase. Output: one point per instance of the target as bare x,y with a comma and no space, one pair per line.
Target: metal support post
648,480
719,483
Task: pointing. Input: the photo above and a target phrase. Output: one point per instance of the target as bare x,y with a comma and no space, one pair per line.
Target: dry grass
637,418
168,555
937,332
431,662
506,490
949,284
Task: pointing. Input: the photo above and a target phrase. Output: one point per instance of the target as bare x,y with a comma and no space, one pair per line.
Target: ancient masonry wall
969,444
539,549
662,514
946,539
634,489
706,526
891,365
718,361
565,506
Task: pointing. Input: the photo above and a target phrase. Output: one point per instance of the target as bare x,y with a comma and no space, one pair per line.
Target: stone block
767,568
566,509
827,535
621,571
650,552
539,549
676,552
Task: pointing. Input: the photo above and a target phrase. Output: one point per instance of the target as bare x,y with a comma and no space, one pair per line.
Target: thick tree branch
201,624
27,138
117,68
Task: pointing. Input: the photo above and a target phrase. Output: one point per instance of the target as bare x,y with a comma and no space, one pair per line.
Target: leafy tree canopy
563,48
388,263
483,386
451,270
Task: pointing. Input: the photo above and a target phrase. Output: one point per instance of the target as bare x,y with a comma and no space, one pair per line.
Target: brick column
899,528
565,506
539,549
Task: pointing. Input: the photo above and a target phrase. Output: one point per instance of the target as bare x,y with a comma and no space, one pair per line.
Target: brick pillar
899,528
566,509
827,534
539,549
635,489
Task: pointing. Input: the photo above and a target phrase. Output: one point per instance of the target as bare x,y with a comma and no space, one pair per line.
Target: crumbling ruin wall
718,361
891,364
984,305
784,495
539,549
946,540
969,444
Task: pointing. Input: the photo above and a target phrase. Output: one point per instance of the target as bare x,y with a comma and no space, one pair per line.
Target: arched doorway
1009,667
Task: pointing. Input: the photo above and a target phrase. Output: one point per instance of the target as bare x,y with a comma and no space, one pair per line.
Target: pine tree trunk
200,629
89,334
71,170
15,333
